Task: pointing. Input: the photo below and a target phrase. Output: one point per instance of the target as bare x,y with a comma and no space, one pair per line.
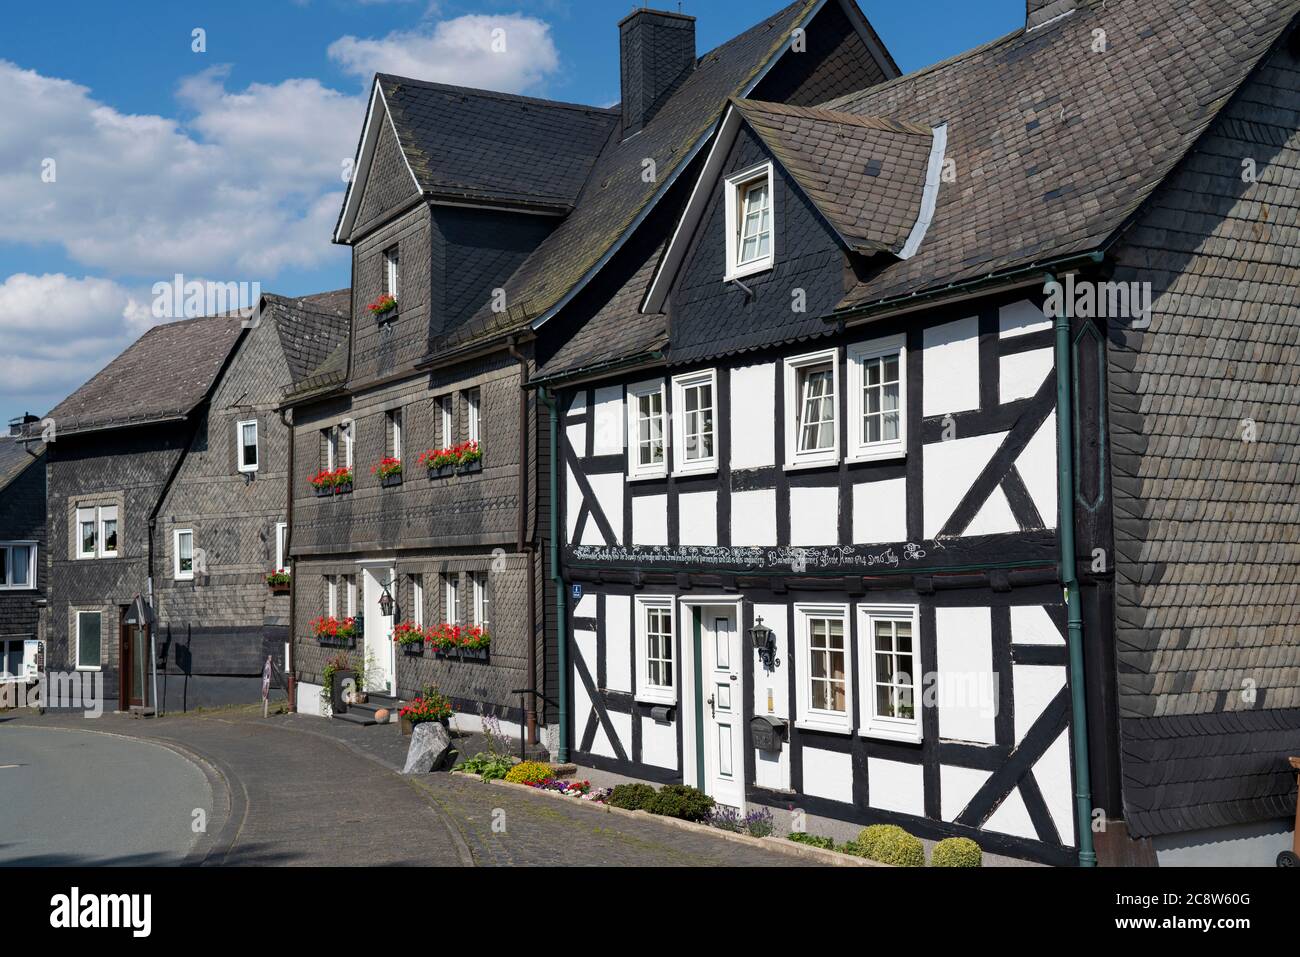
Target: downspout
523,543
292,686
561,612
1070,579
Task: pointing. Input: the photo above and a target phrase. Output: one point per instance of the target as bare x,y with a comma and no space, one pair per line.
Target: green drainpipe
1070,578
561,611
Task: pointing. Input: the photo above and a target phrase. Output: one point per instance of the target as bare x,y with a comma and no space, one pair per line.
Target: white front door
380,664
723,706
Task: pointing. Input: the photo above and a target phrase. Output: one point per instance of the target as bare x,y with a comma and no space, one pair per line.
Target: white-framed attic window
647,453
246,437
183,554
877,400
751,232
812,388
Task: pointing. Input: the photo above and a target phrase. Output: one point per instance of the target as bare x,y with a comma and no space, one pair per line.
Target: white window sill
18,588
706,469
878,455
648,476
749,269
904,734
656,698
799,465
90,668
247,471
830,727
184,578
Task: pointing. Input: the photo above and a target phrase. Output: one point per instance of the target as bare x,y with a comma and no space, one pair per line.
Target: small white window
444,408
331,596
482,612
647,436
451,599
281,546
183,554
17,565
890,664
656,678
391,271
825,693
350,582
750,231
417,600
695,446
108,531
97,532
345,434
811,394
246,436
878,400
89,640
395,433
472,399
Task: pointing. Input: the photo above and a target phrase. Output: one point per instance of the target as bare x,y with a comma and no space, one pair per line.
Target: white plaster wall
1053,774
584,643
1037,466
776,681
697,517
1032,625
622,727
1034,687
895,786
658,743
1022,374
650,519
618,642
772,769
814,516
994,517
609,421
965,690
608,490
956,787
577,431
753,517
753,396
1012,817
828,774
949,470
951,367
880,511
1021,318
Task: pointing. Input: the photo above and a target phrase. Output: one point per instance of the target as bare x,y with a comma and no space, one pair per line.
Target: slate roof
311,328
15,459
865,174
486,146
163,375
616,192
1055,146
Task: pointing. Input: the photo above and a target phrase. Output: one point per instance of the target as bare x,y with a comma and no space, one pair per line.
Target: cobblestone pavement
292,789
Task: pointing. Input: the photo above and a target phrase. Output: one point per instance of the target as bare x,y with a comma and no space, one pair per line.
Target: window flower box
439,463
332,482
384,308
410,637
334,632
469,458
278,581
465,643
389,471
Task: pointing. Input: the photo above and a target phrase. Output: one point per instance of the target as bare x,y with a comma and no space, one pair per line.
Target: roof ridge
866,120
494,94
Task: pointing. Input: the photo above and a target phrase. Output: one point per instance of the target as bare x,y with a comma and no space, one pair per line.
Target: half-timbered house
906,481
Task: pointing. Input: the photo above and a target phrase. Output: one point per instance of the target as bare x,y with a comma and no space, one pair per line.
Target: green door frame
699,698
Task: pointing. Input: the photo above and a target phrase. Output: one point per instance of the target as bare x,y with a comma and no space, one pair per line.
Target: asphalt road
80,797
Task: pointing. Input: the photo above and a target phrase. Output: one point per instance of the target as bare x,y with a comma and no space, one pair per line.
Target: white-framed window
246,439
445,415
331,596
393,421
451,598
183,554
13,657
878,399
889,662
812,385
482,602
282,546
825,691
89,640
647,454
656,666
17,565
345,438
350,587
417,600
695,438
97,532
391,271
331,437
751,233
473,401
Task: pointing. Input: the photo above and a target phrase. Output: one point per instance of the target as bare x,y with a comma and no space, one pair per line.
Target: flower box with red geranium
385,307
389,471
469,458
278,580
340,632
439,463
430,706
332,481
468,643
410,636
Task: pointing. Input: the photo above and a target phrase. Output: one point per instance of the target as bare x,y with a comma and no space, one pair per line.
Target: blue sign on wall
577,592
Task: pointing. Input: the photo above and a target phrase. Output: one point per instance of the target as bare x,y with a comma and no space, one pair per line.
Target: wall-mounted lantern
764,643
386,602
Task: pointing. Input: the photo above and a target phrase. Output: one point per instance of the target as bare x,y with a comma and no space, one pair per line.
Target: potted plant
469,458
330,630
410,636
474,642
336,677
342,480
383,308
430,706
323,483
439,463
278,581
389,471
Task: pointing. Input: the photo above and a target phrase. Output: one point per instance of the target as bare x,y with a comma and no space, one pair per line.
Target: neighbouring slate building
810,450
167,476
23,576
480,213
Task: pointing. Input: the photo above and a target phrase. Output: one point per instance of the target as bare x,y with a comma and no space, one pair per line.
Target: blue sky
224,164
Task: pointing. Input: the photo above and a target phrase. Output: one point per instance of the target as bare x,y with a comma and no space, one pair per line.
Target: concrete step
353,717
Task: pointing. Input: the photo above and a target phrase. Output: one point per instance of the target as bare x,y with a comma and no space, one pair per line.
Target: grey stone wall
22,519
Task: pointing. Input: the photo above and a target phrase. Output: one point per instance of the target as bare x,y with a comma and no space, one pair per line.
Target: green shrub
487,766
630,797
957,852
682,801
890,844
526,772
814,840
870,837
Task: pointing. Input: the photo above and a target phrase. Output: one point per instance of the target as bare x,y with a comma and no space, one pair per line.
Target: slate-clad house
166,482
23,577
810,449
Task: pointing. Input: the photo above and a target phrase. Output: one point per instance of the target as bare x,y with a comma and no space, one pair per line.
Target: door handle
712,713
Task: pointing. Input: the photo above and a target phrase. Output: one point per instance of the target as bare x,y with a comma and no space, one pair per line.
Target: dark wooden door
134,661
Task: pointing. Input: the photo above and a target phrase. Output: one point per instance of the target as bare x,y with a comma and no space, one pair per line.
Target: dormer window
750,232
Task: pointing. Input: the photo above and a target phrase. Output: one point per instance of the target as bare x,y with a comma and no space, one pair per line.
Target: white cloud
512,53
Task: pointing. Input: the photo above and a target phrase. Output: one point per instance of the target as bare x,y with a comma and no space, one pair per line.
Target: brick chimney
1039,12
655,49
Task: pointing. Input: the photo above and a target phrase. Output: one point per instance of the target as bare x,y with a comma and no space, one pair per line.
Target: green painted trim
699,699
561,606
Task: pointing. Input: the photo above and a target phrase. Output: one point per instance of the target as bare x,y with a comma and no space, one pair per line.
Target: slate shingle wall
22,518
1207,525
